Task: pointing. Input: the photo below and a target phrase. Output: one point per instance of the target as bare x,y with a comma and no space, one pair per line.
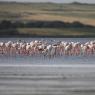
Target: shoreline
29,36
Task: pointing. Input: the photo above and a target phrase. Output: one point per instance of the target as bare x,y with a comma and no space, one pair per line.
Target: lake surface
66,75
47,80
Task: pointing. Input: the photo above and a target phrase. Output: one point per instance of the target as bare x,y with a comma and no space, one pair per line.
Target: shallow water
47,80
41,60
66,75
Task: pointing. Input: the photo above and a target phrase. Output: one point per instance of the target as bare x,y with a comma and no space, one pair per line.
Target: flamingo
43,48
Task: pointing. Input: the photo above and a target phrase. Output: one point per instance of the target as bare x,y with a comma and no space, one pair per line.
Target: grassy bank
49,32
57,32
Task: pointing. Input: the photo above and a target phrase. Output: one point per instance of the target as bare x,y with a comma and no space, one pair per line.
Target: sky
59,1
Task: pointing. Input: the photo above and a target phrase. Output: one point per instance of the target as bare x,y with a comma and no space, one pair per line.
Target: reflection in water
42,60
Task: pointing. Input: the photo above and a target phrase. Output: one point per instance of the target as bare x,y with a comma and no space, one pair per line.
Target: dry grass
59,18
46,11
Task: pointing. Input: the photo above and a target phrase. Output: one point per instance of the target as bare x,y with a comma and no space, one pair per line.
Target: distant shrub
5,24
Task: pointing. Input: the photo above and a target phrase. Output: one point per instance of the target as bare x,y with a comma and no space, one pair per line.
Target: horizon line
46,2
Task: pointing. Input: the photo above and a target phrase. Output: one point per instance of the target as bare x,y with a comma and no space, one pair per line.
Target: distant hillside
79,3
46,28
13,2
5,24
47,19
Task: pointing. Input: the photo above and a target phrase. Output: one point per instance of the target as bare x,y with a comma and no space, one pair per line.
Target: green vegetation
24,13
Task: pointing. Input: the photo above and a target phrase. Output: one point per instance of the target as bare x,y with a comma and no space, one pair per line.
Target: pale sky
63,1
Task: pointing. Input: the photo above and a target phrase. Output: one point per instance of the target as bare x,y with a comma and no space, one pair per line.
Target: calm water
41,60
47,80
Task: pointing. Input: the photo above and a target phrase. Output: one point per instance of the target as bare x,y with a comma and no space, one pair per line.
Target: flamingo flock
43,48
